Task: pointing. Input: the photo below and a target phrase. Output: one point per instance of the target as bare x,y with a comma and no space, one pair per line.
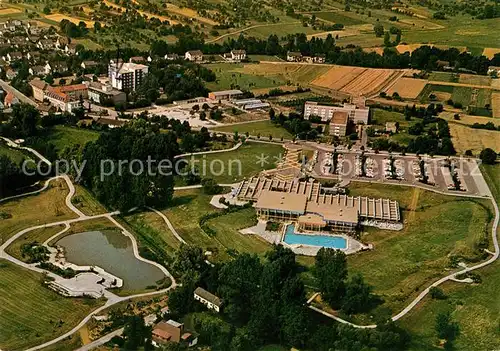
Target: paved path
12,144
169,225
96,343
235,147
245,29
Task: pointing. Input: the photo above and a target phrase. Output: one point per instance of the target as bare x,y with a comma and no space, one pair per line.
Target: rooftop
339,118
208,296
282,201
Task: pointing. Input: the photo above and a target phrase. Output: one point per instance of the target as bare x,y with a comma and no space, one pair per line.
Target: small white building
238,55
211,301
194,56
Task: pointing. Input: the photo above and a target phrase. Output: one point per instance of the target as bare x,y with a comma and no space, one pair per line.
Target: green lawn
338,17
86,202
404,262
228,226
45,207
233,166
151,228
187,209
38,235
229,78
442,76
16,156
31,314
62,136
262,128
475,308
491,173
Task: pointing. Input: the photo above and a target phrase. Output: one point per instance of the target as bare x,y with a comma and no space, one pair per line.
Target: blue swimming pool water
334,242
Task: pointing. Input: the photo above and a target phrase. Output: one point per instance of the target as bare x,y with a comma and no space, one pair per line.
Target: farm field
490,52
33,311
232,166
49,205
464,95
495,103
338,17
263,128
150,15
262,75
436,228
189,13
464,138
58,17
407,88
9,11
442,76
474,79
356,80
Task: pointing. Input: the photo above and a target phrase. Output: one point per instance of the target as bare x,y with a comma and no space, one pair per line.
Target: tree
210,186
331,272
488,156
136,333
24,121
378,29
437,293
97,26
358,295
46,10
446,328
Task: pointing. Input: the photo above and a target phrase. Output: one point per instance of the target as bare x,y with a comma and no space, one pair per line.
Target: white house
208,299
238,55
194,55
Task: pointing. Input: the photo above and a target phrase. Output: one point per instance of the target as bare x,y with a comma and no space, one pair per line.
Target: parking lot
454,176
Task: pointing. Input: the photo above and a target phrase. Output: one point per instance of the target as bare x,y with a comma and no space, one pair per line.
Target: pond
112,251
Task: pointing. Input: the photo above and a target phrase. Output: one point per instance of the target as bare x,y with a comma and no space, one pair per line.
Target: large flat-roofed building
356,114
225,94
126,76
338,124
311,206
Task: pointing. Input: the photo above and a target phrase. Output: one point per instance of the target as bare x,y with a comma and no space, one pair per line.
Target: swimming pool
334,242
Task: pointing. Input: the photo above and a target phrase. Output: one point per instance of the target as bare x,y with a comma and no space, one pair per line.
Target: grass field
188,207
337,17
263,128
151,227
465,138
86,202
464,95
232,76
38,235
16,156
475,307
442,76
31,314
491,173
45,207
263,75
404,262
232,166
62,137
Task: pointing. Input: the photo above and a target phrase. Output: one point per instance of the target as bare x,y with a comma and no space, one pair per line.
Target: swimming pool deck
353,245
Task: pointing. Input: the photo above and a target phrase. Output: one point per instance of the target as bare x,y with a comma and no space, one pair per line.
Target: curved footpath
112,299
